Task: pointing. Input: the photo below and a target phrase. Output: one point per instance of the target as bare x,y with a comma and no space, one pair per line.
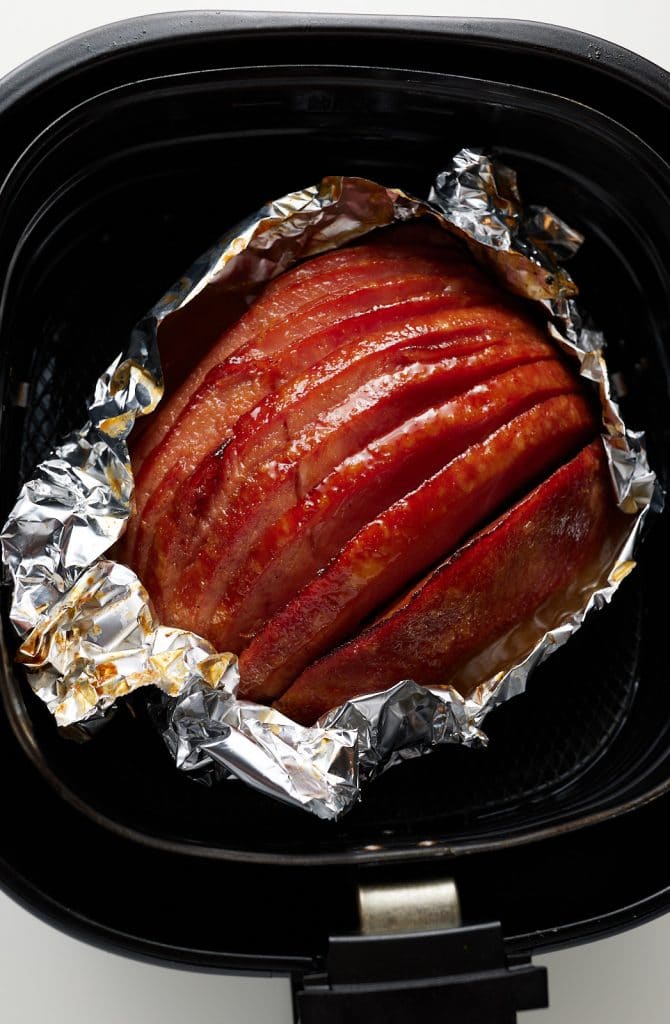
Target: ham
387,554
289,329
377,412
489,587
221,513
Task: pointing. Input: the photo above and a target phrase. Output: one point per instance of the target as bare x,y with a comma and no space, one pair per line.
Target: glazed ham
487,588
381,469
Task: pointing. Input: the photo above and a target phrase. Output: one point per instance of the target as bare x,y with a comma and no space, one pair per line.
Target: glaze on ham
377,412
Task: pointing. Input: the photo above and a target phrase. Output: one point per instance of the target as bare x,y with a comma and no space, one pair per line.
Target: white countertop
47,976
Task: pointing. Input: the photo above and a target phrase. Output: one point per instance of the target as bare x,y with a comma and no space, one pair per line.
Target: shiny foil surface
89,634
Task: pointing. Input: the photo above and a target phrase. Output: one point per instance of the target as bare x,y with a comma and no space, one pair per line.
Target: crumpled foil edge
89,633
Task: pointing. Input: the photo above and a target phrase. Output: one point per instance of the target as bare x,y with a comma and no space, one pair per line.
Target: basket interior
111,205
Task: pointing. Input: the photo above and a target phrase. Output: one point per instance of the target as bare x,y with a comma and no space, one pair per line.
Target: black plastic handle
460,974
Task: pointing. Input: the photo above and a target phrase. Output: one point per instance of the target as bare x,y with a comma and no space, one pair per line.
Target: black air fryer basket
125,152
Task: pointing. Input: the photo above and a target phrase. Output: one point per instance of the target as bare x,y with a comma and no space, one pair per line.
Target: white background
46,976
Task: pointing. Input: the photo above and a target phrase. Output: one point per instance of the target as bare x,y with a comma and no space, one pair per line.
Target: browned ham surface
377,412
490,585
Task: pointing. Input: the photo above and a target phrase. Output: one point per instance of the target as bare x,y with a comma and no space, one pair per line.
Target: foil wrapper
89,634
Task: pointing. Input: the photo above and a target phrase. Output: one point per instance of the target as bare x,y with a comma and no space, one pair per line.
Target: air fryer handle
459,975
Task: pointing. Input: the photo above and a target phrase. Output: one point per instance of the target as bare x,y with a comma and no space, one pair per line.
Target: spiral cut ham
379,471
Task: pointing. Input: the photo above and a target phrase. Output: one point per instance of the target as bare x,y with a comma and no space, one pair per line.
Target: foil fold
211,733
89,634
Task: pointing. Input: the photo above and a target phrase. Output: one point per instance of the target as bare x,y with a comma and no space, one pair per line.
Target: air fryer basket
100,214
120,228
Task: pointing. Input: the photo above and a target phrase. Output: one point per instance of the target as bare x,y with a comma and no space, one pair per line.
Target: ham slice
312,531
222,512
382,290
407,538
291,292
491,586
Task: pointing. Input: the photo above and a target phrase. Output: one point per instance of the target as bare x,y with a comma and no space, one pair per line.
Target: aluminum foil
89,634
